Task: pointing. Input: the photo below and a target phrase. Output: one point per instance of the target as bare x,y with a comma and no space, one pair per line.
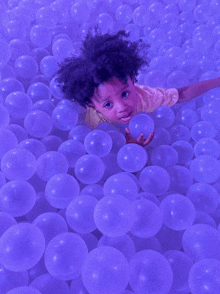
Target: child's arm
194,90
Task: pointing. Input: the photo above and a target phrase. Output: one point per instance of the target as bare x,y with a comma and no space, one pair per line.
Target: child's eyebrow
117,93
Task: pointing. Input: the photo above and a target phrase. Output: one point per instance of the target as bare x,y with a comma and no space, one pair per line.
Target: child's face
115,100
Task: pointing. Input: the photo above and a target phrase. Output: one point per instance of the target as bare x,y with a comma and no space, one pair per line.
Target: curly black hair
103,56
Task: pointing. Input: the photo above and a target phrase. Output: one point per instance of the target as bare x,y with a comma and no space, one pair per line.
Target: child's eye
121,95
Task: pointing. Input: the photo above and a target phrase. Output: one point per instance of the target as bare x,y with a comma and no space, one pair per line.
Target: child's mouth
127,117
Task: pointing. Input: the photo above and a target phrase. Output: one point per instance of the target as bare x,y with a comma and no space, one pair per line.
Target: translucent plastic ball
98,143
204,197
207,146
38,123
141,123
79,133
185,151
18,164
202,12
18,104
148,218
65,117
45,283
139,15
50,164
80,12
179,132
55,90
133,177
18,47
5,52
164,155
134,31
40,36
73,150
163,116
9,85
205,168
51,142
123,14
132,157
184,5
11,280
180,179
121,184
93,190
204,218
39,91
178,212
26,67
89,169
79,214
150,273
105,21
44,105
149,196
210,112
46,17
123,243
207,240
25,245
19,132
6,221
62,49
161,137
177,78
77,286
51,224
4,116
8,141
155,180
187,117
17,198
203,129
114,215
208,269
34,146
181,265
105,270
49,66
38,53
24,290
64,256
155,78
61,189
2,179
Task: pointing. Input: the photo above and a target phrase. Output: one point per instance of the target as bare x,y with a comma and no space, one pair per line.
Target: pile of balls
81,211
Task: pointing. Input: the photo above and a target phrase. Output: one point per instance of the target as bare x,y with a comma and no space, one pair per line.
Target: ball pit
81,211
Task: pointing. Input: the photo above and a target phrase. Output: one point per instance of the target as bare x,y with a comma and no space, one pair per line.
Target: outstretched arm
196,89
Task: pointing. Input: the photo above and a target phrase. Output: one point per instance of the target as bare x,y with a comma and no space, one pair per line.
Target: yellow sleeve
151,98
94,119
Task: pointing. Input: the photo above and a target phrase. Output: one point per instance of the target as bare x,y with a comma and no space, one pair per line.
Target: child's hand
140,140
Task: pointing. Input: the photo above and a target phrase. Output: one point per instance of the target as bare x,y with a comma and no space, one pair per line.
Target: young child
102,79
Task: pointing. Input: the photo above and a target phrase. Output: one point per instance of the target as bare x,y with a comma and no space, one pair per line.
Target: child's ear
91,105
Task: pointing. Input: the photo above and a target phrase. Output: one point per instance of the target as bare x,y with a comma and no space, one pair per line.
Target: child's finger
149,139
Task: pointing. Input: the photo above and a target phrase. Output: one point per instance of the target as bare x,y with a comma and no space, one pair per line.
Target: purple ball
25,243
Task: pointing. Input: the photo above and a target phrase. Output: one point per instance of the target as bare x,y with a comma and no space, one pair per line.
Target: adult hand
140,140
